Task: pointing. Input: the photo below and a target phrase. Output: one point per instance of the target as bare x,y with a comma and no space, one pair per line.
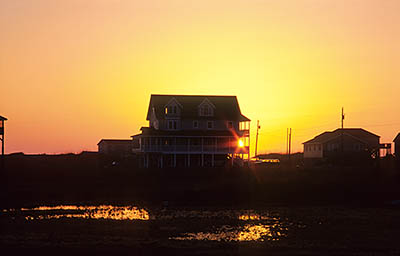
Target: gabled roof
114,141
397,138
2,118
226,107
357,133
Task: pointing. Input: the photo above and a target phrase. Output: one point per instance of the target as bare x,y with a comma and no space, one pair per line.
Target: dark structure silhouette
188,131
347,144
115,147
396,141
2,120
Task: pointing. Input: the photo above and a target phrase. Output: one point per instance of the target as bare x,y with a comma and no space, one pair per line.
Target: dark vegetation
30,180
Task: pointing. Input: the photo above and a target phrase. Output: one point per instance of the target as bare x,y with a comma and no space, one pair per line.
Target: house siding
186,145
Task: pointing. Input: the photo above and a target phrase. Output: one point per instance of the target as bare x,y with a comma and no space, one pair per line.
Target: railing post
174,160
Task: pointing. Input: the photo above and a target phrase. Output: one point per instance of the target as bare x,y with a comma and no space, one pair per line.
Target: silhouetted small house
350,144
115,147
397,146
188,130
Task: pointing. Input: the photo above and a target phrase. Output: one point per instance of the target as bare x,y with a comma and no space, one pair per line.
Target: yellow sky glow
73,72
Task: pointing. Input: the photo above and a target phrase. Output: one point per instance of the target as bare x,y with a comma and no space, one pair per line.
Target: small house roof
358,133
397,138
2,118
226,107
114,141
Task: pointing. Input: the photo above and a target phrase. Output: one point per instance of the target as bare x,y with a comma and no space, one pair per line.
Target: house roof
358,133
136,136
2,118
397,138
226,107
114,141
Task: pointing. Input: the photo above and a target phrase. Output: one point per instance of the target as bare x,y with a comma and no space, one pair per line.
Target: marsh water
221,225
320,230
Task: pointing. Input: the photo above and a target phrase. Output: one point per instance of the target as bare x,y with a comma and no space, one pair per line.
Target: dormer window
172,108
206,108
205,111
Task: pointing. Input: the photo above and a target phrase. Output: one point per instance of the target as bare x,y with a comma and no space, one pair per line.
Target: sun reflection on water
253,216
252,227
88,212
248,232
234,225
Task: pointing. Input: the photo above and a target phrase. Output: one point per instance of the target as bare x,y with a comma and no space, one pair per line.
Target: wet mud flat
105,229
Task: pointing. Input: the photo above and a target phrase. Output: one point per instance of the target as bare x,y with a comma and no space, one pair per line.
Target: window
205,111
171,110
172,125
230,125
210,124
195,124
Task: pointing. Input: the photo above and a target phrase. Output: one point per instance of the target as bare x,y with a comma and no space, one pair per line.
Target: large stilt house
192,130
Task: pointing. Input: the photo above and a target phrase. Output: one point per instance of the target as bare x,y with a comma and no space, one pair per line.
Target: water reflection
254,216
87,212
245,215
248,232
232,225
252,226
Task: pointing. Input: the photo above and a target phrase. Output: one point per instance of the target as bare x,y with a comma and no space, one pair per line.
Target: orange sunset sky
75,71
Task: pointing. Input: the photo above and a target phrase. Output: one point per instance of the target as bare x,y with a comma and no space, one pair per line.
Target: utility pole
290,141
287,141
341,136
342,130
342,117
258,127
2,119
